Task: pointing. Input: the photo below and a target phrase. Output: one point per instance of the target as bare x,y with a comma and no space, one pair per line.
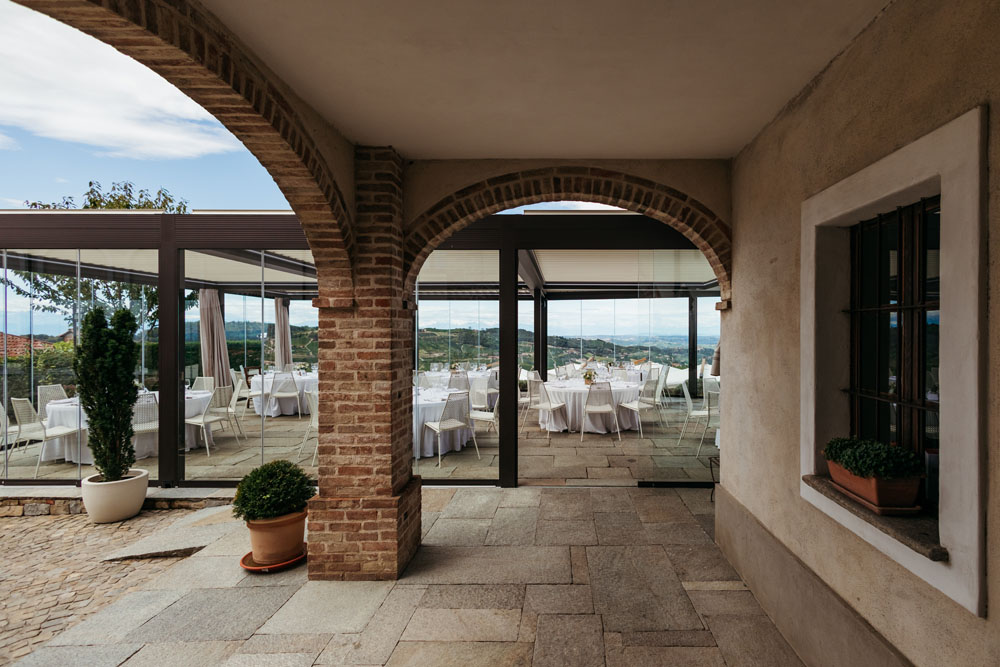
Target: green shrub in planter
274,489
871,458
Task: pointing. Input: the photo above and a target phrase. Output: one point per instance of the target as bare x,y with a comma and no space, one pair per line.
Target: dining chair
207,417
283,385
459,380
543,403
424,381
231,398
203,383
146,414
692,415
491,417
619,375
46,394
645,401
479,394
711,419
600,401
312,401
454,417
31,427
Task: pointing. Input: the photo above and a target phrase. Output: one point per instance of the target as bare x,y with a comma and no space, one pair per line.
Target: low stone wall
15,507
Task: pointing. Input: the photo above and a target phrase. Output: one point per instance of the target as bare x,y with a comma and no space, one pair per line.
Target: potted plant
272,500
589,376
104,365
884,477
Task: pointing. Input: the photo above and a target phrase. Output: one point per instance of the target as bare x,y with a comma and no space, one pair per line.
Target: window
895,315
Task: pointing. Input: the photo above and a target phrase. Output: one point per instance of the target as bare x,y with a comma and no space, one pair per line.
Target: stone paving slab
374,645
457,532
473,596
206,572
473,504
184,537
489,565
700,563
513,526
270,660
217,614
328,606
290,643
183,654
569,640
461,654
114,622
751,641
656,656
92,656
566,533
461,625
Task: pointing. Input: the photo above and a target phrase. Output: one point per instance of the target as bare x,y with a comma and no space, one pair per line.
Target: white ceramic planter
115,501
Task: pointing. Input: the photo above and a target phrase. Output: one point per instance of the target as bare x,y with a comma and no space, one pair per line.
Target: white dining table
439,379
304,382
573,393
67,412
428,404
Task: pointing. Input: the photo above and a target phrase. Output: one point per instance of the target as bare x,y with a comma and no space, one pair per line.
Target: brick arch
684,213
190,48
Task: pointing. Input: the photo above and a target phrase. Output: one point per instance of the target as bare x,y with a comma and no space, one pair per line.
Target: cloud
61,84
8,143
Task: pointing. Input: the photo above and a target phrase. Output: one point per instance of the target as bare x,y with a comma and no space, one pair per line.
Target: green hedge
870,458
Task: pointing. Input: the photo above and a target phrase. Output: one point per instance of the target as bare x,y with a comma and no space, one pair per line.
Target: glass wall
251,361
46,295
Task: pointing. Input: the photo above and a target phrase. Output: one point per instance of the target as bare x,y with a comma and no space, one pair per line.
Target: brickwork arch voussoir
684,213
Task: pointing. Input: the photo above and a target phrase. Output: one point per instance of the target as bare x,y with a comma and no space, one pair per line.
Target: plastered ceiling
548,78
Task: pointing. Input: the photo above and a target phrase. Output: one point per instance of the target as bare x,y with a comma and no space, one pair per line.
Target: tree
58,294
104,364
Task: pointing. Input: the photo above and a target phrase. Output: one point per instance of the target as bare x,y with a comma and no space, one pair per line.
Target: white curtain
282,335
214,353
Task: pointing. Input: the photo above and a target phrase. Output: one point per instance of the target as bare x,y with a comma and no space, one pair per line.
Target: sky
74,110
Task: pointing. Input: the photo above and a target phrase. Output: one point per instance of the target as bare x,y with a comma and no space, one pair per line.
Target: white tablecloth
428,404
574,394
305,382
439,379
68,413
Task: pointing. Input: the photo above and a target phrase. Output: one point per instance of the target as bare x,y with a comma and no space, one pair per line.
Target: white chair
30,427
712,418
600,401
436,367
697,416
205,420
479,394
146,414
283,386
543,403
232,400
459,380
491,417
312,400
619,375
454,417
46,394
424,381
646,401
202,383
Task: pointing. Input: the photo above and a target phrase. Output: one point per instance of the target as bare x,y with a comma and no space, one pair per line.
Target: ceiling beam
530,271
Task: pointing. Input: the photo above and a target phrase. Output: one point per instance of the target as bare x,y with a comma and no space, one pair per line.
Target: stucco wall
426,182
920,65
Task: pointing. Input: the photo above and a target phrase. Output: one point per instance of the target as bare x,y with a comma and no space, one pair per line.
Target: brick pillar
365,521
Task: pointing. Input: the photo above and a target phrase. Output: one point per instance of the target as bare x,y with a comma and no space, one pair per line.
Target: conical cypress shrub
105,365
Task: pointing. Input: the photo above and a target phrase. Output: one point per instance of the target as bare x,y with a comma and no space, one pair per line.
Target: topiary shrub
871,458
274,489
105,365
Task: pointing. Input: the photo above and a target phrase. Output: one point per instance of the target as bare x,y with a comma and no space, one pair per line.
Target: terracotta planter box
879,493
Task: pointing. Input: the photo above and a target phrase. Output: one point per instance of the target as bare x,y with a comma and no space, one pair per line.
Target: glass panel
564,332
41,326
867,415
887,421
868,269
929,423
932,363
598,330
868,365
932,255
525,335
889,260
888,364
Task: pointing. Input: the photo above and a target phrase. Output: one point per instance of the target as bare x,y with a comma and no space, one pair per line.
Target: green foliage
273,489
870,458
104,366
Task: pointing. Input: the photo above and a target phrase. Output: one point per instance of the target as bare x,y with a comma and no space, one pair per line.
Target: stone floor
52,576
599,460
527,576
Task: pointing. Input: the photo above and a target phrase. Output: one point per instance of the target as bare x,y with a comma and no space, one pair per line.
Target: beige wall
921,64
427,182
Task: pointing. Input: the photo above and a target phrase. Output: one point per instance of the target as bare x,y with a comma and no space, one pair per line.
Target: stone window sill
919,532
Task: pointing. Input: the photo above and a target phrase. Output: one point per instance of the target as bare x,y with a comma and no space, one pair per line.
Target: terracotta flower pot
277,540
887,493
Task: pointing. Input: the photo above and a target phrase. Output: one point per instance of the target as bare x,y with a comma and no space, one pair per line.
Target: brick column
365,522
